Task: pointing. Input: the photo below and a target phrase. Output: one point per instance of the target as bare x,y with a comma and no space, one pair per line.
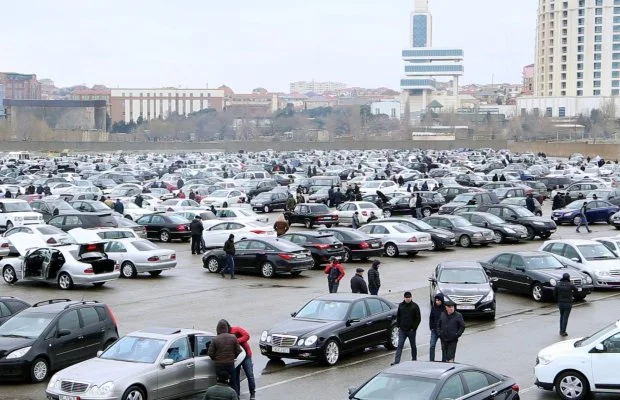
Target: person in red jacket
335,273
243,337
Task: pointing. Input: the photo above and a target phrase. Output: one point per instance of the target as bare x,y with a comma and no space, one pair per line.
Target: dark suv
100,219
10,306
52,335
322,245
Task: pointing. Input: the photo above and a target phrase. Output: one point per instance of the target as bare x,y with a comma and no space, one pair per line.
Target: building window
562,112
597,56
420,29
596,92
598,38
579,57
581,13
579,75
599,3
616,28
563,59
597,74
615,74
563,85
548,112
597,47
579,92
598,21
550,86
579,39
616,10
580,30
597,65
563,76
580,21
393,113
615,65
580,48
615,92
579,84
615,84
596,84
598,11
564,32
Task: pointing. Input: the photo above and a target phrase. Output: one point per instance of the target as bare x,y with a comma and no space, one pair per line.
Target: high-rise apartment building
578,48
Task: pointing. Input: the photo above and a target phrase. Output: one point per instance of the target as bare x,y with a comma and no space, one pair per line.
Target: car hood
557,273
566,210
536,219
300,327
8,344
558,348
472,229
98,371
464,289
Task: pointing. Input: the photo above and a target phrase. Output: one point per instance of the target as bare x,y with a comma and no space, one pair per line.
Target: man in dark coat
8,194
433,320
223,350
408,319
529,202
180,183
196,229
374,280
330,196
424,187
355,222
502,178
401,181
338,197
119,207
358,284
558,202
229,249
495,178
564,291
451,326
139,200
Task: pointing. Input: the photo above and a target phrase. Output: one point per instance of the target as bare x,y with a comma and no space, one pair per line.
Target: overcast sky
250,43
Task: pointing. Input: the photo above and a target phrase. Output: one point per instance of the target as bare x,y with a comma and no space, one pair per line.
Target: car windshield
460,222
494,219
219,193
596,252
542,262
134,349
464,197
18,206
319,208
26,325
372,184
144,245
325,310
396,387
322,191
462,275
575,205
364,206
176,219
595,337
522,212
99,206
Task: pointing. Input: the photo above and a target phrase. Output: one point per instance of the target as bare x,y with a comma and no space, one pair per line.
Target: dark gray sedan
466,233
502,230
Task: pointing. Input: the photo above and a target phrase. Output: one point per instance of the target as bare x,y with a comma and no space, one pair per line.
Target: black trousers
448,350
196,243
564,314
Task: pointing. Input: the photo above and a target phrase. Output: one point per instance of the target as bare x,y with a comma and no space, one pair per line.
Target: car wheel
317,262
213,265
164,236
577,220
128,217
9,225
308,223
571,385
537,292
391,250
347,257
331,352
266,209
9,274
538,213
39,370
465,241
387,213
531,235
392,341
545,235
328,225
134,393
498,237
155,273
225,205
128,270
267,270
426,212
64,281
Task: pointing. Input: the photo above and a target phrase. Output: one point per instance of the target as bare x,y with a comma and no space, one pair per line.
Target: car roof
166,333
343,297
571,241
310,233
426,369
56,305
12,200
460,264
532,253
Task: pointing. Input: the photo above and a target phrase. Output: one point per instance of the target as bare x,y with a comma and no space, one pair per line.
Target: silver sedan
398,238
156,363
140,255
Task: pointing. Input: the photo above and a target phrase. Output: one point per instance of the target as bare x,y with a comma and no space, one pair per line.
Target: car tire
391,250
308,223
317,262
331,352
392,341
134,393
498,237
212,265
128,270
576,220
64,281
9,225
128,217
537,292
545,235
387,213
531,235
164,236
465,241
538,213
9,274
579,386
267,270
347,257
266,209
426,212
39,370
155,273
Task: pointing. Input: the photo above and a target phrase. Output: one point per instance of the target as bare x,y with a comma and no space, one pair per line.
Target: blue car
596,210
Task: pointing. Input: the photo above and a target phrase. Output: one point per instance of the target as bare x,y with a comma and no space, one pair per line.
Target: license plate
65,397
465,307
523,236
555,218
552,230
280,349
579,289
375,245
164,258
423,239
327,218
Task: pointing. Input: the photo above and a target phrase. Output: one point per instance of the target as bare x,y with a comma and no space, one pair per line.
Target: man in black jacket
436,310
407,319
358,284
374,280
564,291
558,202
529,203
196,229
451,326
229,249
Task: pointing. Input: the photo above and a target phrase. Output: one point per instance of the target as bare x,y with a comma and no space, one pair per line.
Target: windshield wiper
601,258
16,336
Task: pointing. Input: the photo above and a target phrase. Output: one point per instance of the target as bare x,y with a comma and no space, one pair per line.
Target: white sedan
140,255
223,198
133,211
50,234
398,238
60,187
346,211
385,187
240,214
176,205
217,231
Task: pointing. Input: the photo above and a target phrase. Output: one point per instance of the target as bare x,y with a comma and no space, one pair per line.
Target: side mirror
63,332
99,353
431,279
575,259
166,362
352,321
600,347
352,390
294,313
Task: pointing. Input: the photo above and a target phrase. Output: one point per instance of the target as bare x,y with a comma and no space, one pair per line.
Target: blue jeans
433,344
402,336
584,221
373,290
230,265
248,368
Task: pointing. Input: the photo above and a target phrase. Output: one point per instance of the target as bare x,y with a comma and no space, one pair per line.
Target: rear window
367,205
175,219
49,230
319,208
144,245
322,239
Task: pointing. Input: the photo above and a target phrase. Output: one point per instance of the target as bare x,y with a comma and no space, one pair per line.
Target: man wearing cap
196,229
451,326
229,249
564,291
407,319
374,281
355,222
358,284
335,273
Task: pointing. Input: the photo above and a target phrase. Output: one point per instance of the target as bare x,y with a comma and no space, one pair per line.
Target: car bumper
544,385
515,236
324,256
298,353
478,310
444,241
582,290
146,267
293,266
14,370
180,235
55,395
543,230
545,375
610,282
95,278
367,253
560,219
414,246
481,239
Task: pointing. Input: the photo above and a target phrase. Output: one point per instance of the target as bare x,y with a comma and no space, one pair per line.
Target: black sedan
465,232
357,244
266,256
332,325
536,226
165,227
322,245
10,306
534,273
422,380
503,231
310,215
442,238
467,285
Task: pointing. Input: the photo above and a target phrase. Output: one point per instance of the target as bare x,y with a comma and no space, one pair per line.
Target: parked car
346,211
165,227
15,212
50,234
596,211
262,186
137,256
503,231
267,256
116,233
269,201
69,221
89,206
320,196
329,326
520,201
322,245
176,205
50,207
477,198
311,214
465,232
534,273
536,226
10,306
450,192
398,238
442,238
223,198
139,230
52,335
240,214
610,195
582,187
216,232
509,192
357,244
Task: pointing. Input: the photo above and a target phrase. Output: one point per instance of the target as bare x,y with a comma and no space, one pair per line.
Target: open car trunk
94,255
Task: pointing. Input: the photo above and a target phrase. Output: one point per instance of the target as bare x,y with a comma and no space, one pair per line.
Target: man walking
335,273
529,202
229,249
451,326
119,207
418,206
196,229
374,280
436,310
223,350
358,284
564,291
243,337
583,220
407,319
221,390
355,221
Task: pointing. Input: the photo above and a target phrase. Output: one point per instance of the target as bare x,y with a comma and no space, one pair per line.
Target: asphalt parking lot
189,296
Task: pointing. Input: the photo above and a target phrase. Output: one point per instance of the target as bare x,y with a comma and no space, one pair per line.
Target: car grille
615,272
283,340
576,282
73,387
465,299
488,234
35,218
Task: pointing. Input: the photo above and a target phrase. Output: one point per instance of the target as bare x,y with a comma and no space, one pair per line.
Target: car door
93,331
243,255
204,368
66,341
358,329
452,388
380,232
256,254
379,321
116,251
344,213
155,225
482,386
605,363
72,222
176,380
517,275
499,268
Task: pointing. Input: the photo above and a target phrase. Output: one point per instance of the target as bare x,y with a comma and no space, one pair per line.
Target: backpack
333,274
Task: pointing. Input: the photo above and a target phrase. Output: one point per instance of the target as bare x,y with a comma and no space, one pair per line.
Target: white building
390,108
316,87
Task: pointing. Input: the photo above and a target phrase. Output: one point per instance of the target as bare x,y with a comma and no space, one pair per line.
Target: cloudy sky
250,43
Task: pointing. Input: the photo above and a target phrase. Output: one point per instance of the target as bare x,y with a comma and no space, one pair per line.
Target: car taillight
112,316
364,245
285,256
321,246
153,259
51,240
365,213
515,387
258,231
173,256
5,244
117,267
89,271
413,239
180,227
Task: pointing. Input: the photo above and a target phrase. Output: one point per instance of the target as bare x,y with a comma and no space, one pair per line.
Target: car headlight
567,214
258,204
18,218
18,353
588,279
538,223
477,234
311,340
53,381
102,390
263,336
489,297
545,359
509,230
598,273
553,282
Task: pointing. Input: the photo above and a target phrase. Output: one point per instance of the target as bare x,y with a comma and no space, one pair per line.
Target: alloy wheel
213,265
267,270
332,352
9,274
